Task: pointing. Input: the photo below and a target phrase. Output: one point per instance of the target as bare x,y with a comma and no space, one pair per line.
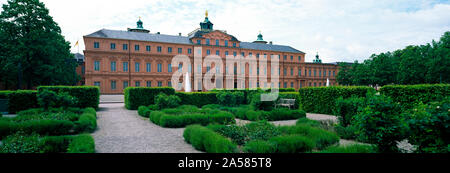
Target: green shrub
410,95
309,122
211,106
205,139
21,143
259,146
347,108
164,101
354,148
86,96
83,143
321,137
21,100
175,121
86,123
56,144
198,99
429,127
261,130
47,127
48,98
144,111
143,96
348,132
322,99
292,144
380,123
247,113
230,98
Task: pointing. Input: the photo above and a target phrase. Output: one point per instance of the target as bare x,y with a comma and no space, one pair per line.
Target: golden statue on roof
206,13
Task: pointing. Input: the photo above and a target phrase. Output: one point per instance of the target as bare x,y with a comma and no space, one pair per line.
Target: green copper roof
317,60
140,24
260,37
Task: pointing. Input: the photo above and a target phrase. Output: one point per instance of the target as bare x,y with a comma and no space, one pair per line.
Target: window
169,49
149,67
180,66
309,72
113,85
208,68
284,57
83,69
136,47
113,66
250,54
265,55
235,69
234,53
125,66
234,44
159,84
97,83
208,52
149,83
257,70
189,51
243,54
113,46
285,84
324,73
169,84
292,58
125,84
299,58
226,43
159,49
333,73
217,42
285,72
199,41
136,67
299,72
148,48
97,65
226,53
217,52
125,46
180,50
320,73
207,41
292,71
96,45
314,73
159,67
169,67
292,84
329,73
257,55
137,83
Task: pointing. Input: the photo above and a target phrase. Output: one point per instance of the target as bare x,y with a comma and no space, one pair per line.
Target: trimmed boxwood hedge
409,95
83,143
322,138
87,122
87,96
182,120
143,96
198,99
205,139
247,113
20,100
322,99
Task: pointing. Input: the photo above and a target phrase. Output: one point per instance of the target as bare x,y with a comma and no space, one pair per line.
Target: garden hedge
83,143
87,96
20,100
198,99
176,121
86,122
246,113
409,95
322,99
143,96
205,139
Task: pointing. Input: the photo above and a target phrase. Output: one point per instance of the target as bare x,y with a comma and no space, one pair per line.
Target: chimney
270,42
179,34
158,33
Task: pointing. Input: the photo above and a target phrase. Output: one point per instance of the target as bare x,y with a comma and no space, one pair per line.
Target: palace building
117,59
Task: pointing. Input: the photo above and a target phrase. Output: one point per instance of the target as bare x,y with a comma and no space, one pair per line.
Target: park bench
285,103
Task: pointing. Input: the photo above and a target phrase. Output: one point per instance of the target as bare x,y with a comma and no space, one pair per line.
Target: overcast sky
340,30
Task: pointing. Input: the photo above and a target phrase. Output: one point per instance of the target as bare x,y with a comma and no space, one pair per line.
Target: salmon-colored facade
115,60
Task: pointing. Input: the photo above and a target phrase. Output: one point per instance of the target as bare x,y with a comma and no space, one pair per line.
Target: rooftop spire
206,25
139,27
206,13
317,60
260,39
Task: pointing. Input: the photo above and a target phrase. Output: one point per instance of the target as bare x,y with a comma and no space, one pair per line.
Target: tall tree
33,50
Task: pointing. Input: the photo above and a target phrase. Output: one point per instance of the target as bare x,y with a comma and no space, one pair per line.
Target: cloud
341,30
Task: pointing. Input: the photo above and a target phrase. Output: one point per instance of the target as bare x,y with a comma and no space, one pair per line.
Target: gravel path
123,131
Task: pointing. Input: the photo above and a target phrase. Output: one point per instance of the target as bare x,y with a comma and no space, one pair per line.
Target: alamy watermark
216,71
